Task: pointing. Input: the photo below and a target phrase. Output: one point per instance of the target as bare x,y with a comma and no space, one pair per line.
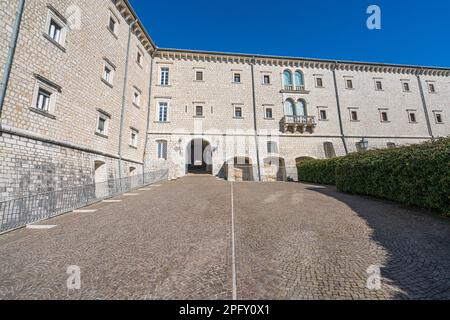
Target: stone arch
275,169
199,157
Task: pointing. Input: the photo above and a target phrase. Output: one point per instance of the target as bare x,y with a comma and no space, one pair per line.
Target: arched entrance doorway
275,169
199,157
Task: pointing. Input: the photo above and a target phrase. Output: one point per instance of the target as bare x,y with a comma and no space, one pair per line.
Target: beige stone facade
235,103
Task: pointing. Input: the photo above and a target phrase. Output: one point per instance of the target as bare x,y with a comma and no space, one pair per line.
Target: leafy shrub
414,175
318,171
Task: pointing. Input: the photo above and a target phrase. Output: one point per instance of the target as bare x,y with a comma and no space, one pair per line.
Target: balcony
300,124
294,89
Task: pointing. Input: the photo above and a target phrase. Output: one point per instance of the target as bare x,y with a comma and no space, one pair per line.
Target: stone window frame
412,112
133,143
432,87
101,114
329,150
237,106
351,79
114,17
59,20
408,83
440,113
163,82
236,73
378,81
351,110
272,147
162,154
107,64
158,110
53,89
137,91
266,108
382,112
318,77
265,74
198,70
140,53
321,109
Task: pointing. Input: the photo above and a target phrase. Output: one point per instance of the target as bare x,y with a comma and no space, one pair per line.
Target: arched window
300,108
287,79
299,83
289,108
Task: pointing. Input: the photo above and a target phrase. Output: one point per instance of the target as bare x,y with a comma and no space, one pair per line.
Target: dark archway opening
199,157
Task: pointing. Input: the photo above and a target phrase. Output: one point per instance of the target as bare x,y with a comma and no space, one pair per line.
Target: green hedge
414,175
318,171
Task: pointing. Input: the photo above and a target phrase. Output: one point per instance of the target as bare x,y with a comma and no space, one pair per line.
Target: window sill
113,33
132,147
136,105
199,81
317,87
269,118
58,45
324,120
355,120
266,84
238,118
161,122
236,82
199,117
164,86
385,122
42,113
107,83
101,135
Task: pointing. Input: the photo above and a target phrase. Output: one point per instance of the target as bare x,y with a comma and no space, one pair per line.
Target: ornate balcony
294,89
298,124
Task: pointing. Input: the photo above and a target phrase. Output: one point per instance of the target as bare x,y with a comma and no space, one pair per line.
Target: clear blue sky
413,32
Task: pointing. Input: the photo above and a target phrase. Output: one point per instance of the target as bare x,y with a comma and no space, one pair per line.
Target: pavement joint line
146,189
112,201
84,211
130,194
40,227
233,246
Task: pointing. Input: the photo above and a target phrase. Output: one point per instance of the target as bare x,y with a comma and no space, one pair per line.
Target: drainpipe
339,109
254,117
11,52
424,103
125,83
148,111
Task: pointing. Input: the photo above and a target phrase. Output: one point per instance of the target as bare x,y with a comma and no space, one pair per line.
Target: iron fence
22,211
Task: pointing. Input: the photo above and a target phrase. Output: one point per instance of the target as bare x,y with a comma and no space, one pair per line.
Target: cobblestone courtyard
175,241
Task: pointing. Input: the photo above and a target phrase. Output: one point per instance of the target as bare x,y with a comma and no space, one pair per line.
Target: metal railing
19,212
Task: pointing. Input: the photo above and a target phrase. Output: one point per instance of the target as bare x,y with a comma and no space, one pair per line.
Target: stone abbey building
86,96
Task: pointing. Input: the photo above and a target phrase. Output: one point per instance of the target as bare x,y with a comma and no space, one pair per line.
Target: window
406,87
272,147
102,124
238,112
112,25
199,76
323,114
349,84
378,85
164,76
354,115
199,111
269,113
56,28
140,58
55,31
431,87
43,100
133,138
108,72
391,145
319,82
287,80
329,150
237,78
384,116
162,150
438,117
137,98
412,117
44,97
162,114
299,83
266,79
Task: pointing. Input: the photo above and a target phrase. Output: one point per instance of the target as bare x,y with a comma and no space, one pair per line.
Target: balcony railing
298,124
294,88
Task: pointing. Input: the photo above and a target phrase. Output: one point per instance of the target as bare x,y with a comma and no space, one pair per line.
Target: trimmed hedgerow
414,175
318,171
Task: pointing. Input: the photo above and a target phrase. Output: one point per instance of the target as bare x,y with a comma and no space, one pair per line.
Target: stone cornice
175,54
